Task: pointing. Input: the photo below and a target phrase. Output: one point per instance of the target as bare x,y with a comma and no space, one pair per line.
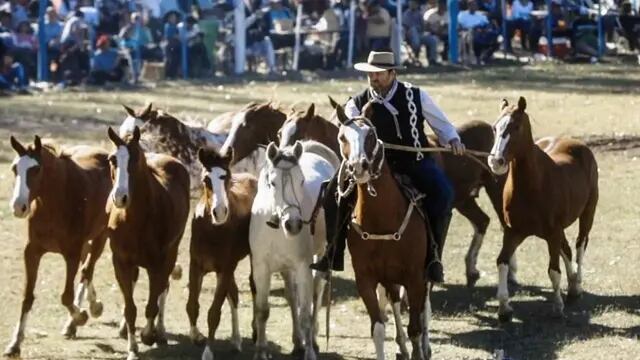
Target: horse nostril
287,225
365,165
24,208
500,161
124,199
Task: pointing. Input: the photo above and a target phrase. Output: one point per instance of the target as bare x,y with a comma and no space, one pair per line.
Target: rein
471,154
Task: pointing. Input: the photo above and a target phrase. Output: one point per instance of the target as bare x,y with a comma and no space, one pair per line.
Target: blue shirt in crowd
104,60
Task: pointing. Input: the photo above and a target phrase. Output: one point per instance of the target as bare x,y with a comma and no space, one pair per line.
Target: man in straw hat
396,123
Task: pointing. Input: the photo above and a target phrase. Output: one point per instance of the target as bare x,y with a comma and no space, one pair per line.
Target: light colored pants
265,50
417,40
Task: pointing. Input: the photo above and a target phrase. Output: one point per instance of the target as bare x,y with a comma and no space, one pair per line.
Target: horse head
216,178
284,178
295,125
124,162
361,149
27,169
512,135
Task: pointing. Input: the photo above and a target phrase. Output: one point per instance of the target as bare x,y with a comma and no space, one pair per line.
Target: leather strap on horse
396,235
471,154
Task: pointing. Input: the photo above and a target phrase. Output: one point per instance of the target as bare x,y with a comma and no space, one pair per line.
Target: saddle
410,192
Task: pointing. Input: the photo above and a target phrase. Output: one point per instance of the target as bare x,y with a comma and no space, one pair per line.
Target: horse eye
207,182
36,169
343,138
223,177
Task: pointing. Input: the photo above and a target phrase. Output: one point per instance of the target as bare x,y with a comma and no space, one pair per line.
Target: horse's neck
329,134
141,186
56,173
528,169
385,212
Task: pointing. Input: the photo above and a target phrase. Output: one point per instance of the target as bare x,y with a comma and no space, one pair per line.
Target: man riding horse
399,112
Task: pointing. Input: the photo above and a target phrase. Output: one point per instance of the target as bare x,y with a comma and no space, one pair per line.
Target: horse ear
37,142
297,150
503,104
272,151
342,117
146,111
367,110
115,139
522,104
129,110
19,148
229,156
311,110
333,103
136,134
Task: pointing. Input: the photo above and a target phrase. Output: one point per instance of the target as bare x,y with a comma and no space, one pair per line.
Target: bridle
375,161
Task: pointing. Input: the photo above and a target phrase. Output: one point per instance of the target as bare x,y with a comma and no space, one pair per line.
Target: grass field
598,103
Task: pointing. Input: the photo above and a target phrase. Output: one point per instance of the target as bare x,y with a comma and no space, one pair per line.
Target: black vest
385,124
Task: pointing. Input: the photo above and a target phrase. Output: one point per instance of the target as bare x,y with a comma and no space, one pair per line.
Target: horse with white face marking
289,187
149,206
549,185
62,196
219,240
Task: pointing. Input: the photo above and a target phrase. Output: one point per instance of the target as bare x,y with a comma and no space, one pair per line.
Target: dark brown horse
387,239
149,208
219,240
467,176
550,184
62,195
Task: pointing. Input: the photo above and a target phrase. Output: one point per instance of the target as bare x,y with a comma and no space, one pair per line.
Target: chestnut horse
62,195
549,185
149,208
219,240
387,239
466,176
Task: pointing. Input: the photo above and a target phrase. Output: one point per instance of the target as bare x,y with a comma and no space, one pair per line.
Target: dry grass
571,100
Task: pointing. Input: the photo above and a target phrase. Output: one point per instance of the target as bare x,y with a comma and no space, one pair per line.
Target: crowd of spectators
98,41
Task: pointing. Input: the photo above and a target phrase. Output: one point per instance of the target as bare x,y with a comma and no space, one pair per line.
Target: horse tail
588,213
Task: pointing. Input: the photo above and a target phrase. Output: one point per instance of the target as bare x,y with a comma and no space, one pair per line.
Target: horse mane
321,150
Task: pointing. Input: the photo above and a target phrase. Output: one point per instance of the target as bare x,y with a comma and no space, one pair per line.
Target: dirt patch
616,143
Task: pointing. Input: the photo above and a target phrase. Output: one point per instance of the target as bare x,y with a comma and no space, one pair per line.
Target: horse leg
304,289
193,307
213,318
125,274
554,246
319,285
32,257
426,320
122,331
232,299
512,277
158,283
401,336
291,295
416,292
262,282
574,290
382,302
367,291
76,316
480,221
95,250
510,242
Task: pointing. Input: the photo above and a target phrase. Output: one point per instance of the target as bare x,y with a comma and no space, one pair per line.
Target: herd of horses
258,175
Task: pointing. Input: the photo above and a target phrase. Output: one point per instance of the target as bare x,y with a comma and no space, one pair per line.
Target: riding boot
336,219
434,270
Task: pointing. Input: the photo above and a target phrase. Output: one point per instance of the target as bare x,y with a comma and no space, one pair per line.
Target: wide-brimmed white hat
378,61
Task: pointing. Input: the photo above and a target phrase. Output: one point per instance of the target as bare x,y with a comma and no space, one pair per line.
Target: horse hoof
69,331
297,353
513,282
176,274
133,356
573,296
427,353
81,318
236,345
96,308
557,313
472,278
316,348
262,355
401,356
199,340
505,316
148,337
12,351
122,332
161,340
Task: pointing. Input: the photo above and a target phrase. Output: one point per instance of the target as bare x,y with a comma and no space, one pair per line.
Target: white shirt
520,11
435,118
468,21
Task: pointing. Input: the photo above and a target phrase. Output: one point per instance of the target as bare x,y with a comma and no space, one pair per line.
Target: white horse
289,188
